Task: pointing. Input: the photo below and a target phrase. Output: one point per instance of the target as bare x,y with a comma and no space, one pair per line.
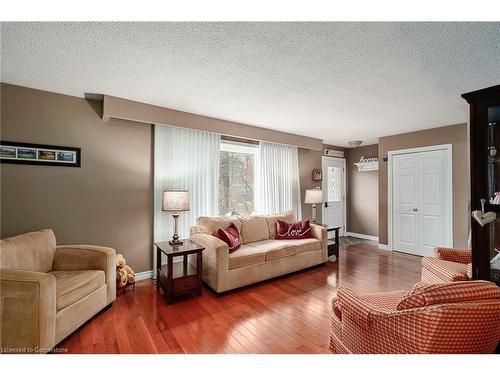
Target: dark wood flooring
290,314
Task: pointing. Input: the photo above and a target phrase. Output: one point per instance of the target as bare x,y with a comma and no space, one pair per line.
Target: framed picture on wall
37,154
317,175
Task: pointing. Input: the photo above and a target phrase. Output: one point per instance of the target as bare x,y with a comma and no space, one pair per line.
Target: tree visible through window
236,178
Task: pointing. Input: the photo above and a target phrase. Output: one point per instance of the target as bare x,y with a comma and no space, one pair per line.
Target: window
236,177
334,179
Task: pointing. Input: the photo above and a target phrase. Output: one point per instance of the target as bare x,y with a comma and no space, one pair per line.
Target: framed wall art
36,154
317,175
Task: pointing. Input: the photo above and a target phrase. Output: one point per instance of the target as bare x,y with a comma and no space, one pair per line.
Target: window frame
241,148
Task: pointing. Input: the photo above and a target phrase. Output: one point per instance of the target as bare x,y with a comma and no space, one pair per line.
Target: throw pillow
293,231
231,236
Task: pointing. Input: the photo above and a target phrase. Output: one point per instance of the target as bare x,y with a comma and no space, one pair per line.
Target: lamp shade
314,196
175,200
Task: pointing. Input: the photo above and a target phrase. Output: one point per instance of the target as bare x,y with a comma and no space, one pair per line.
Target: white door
333,213
421,201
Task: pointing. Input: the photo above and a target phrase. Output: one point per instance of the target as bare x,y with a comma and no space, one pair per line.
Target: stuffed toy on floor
125,275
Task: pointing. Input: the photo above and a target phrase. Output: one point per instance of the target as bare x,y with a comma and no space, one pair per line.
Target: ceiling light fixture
355,144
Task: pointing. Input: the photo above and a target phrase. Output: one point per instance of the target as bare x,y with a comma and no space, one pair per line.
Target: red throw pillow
293,231
231,236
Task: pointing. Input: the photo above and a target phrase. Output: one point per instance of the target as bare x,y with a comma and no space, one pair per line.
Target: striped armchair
458,317
447,265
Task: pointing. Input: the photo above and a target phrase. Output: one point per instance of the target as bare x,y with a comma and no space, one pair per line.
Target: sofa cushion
33,251
71,286
253,229
445,270
274,249
288,217
211,225
231,236
296,230
247,256
304,245
423,294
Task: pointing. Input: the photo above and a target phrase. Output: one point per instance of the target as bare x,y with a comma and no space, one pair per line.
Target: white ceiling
334,81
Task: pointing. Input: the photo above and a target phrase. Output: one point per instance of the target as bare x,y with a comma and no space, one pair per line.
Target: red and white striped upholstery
453,255
449,265
459,317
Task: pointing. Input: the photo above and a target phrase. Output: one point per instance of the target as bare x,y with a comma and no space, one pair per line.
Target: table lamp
175,201
314,196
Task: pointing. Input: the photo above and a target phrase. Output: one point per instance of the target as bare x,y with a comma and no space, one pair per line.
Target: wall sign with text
35,154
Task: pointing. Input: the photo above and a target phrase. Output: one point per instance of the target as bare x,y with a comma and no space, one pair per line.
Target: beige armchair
48,291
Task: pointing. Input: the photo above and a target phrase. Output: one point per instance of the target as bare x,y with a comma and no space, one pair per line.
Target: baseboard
382,246
144,275
362,236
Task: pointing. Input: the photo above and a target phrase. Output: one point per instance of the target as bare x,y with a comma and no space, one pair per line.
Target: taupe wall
309,160
124,109
108,201
457,136
362,193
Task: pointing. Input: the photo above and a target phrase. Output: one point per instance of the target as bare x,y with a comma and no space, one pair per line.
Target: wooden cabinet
485,179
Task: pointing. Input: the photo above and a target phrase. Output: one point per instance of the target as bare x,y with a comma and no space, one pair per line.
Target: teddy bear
124,274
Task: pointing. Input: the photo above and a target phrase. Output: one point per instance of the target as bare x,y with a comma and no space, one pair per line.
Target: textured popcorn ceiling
334,81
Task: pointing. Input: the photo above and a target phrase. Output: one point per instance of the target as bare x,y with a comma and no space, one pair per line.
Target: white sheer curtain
277,179
185,159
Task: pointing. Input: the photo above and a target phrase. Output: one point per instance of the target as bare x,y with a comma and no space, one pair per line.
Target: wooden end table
333,245
180,277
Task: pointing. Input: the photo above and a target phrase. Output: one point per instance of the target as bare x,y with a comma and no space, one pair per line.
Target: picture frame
39,154
317,175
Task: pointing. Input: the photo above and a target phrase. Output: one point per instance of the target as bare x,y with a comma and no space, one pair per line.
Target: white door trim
390,155
344,188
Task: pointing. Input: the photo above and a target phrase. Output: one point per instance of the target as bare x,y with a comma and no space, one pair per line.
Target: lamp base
314,213
175,238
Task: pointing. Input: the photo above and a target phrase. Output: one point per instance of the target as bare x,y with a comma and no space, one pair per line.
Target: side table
333,245
177,278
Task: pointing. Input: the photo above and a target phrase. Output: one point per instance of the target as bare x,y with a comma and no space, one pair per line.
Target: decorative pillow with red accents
293,231
231,236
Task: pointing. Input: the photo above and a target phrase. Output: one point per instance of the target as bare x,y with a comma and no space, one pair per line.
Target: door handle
415,209
326,204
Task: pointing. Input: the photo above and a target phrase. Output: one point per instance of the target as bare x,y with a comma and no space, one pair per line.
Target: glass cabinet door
494,189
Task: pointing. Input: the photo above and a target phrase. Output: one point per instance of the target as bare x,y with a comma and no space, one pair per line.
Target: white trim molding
144,275
382,246
362,236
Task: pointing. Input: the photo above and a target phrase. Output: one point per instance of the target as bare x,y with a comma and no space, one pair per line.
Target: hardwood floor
290,314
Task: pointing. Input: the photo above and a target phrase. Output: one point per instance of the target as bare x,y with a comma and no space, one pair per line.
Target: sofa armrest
215,260
86,257
28,311
320,233
352,306
463,256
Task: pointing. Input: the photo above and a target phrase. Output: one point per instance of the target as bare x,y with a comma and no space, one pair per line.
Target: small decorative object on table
496,198
179,277
314,196
175,201
125,276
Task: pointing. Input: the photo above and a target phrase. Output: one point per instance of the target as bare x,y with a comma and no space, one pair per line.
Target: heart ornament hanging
484,218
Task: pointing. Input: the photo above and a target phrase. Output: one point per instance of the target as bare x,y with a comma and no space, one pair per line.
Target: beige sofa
48,291
261,256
